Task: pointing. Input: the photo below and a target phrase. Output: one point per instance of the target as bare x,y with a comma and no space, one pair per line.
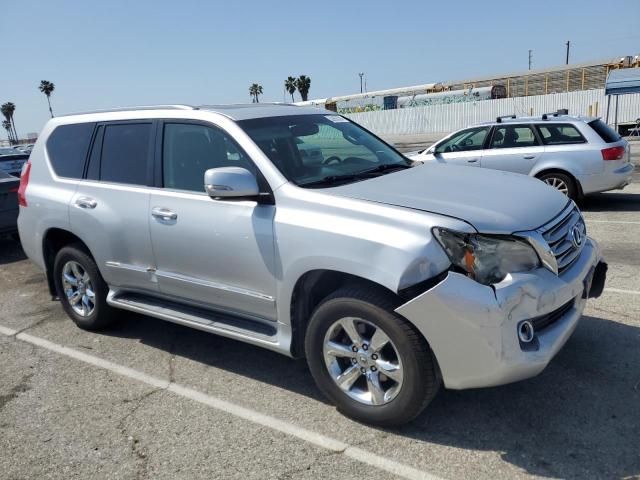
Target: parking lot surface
150,399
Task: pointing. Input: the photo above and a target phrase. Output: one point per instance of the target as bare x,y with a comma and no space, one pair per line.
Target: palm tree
6,124
47,88
8,110
303,83
290,85
255,91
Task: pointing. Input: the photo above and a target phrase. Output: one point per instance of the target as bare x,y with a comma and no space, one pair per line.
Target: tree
303,83
290,85
8,110
6,124
47,88
255,91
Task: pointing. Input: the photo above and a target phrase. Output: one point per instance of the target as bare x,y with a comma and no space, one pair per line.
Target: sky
108,53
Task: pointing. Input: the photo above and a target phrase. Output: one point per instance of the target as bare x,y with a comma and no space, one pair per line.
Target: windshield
322,150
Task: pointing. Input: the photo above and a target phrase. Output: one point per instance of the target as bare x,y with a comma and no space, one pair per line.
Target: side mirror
230,182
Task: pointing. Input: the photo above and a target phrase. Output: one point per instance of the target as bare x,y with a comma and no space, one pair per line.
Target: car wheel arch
53,241
544,171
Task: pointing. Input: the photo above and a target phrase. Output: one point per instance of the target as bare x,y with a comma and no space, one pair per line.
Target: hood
492,201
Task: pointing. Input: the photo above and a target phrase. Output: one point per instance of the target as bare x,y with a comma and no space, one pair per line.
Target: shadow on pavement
579,419
611,202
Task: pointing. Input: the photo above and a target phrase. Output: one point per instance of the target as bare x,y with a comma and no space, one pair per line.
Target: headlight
487,259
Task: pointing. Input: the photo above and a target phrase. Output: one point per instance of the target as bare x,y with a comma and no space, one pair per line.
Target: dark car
12,160
8,203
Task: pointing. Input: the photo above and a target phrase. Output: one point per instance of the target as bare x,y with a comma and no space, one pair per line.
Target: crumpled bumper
472,328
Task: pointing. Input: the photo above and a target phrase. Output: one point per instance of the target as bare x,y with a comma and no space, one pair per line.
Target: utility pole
361,75
568,44
530,57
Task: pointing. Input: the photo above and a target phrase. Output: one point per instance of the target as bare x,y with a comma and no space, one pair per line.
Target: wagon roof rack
499,119
557,113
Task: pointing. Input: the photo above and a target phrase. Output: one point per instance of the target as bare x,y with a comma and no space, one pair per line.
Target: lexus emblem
576,235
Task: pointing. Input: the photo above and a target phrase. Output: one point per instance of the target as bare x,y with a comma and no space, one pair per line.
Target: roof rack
557,113
135,108
499,119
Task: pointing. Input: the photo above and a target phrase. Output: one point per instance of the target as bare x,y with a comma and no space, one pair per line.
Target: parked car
11,161
26,148
8,203
389,276
576,155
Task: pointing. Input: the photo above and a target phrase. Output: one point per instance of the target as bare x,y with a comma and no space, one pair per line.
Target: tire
98,315
402,401
561,182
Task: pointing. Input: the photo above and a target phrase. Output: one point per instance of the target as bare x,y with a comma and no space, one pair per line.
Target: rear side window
67,148
514,136
125,153
560,134
605,132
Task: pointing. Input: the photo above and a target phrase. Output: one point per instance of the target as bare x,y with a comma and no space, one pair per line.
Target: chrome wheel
558,184
78,288
363,361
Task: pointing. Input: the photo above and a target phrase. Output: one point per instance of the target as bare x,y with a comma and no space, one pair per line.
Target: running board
251,331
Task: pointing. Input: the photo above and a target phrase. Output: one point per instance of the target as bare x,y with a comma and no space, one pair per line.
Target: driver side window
466,140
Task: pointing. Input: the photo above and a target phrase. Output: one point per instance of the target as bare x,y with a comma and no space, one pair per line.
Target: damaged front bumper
473,328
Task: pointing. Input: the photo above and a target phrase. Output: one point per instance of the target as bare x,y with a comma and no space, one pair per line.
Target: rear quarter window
67,148
560,134
605,132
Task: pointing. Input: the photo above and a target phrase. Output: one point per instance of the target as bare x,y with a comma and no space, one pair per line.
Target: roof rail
134,108
557,113
499,119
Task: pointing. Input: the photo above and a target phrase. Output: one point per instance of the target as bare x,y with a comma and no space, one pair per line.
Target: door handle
86,202
473,160
163,213
529,157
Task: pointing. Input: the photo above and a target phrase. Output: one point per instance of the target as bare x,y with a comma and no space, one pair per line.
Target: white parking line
622,222
619,290
314,438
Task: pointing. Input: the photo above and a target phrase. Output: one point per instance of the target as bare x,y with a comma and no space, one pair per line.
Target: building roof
622,82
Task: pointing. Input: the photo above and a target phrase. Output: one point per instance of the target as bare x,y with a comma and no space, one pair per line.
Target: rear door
109,208
513,148
463,148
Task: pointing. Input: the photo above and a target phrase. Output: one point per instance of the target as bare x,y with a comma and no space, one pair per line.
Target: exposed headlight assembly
487,258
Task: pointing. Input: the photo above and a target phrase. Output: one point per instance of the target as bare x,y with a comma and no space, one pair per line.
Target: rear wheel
81,288
371,363
561,182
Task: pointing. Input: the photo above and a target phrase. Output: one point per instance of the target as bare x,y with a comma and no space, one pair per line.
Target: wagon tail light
24,180
613,153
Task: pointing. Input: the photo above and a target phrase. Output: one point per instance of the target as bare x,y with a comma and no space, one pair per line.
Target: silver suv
576,155
391,277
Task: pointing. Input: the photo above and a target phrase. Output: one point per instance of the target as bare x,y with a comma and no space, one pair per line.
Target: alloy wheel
363,361
558,184
78,288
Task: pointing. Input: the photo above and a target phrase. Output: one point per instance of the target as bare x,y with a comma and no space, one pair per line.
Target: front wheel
371,363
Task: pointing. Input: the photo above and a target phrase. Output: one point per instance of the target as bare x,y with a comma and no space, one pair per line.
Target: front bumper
472,328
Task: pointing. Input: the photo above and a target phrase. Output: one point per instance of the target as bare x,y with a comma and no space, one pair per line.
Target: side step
195,317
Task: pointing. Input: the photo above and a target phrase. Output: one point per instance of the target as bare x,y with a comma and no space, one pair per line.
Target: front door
513,148
215,253
463,148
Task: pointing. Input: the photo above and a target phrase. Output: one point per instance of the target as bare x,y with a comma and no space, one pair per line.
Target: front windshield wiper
330,180
385,167
362,175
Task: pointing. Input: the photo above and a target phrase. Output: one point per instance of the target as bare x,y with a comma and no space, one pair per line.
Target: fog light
526,333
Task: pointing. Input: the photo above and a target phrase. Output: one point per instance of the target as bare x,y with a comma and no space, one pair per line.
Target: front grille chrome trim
554,243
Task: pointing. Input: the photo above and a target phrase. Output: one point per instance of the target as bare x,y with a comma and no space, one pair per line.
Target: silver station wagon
576,155
391,277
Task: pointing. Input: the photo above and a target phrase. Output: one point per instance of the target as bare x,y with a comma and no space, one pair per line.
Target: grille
543,321
561,237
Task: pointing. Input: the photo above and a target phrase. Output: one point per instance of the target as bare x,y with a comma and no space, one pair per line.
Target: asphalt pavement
150,399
